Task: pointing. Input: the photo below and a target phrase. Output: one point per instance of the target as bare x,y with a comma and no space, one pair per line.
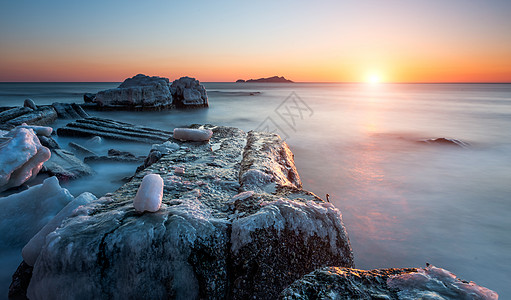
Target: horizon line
332,82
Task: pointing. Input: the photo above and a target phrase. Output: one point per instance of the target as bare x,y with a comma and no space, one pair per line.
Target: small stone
29,103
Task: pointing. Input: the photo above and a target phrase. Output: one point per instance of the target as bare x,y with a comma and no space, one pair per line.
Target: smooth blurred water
403,203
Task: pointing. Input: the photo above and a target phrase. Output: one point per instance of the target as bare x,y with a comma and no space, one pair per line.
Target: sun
373,78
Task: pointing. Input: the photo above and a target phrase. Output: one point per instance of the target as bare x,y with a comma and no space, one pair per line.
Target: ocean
404,203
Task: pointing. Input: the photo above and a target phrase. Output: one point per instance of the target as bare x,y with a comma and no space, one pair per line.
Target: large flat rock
234,223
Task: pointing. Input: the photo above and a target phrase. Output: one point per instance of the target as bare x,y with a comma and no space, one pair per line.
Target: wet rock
115,158
405,283
81,150
89,97
44,115
20,281
140,91
153,157
446,142
198,244
66,166
68,110
188,92
116,130
13,113
29,103
49,142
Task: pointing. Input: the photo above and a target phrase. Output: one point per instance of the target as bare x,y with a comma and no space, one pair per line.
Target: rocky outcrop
274,79
44,115
115,156
188,92
406,283
91,127
21,157
69,111
138,92
229,226
446,142
66,166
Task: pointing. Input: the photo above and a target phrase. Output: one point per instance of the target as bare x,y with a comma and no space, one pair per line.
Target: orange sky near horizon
432,41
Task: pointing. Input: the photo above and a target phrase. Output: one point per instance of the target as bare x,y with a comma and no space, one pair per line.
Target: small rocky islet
234,221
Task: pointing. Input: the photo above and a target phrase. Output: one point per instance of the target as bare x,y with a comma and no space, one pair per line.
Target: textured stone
188,92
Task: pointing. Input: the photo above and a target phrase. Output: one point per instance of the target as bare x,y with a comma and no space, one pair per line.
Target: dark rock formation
13,113
65,166
405,283
20,281
115,155
274,79
89,97
140,91
48,142
29,103
446,142
234,224
116,130
240,81
188,92
69,111
81,150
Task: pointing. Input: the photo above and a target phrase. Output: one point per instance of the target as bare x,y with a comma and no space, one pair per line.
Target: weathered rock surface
206,241
405,283
188,92
116,130
115,155
81,150
66,166
21,157
140,91
44,115
69,111
12,113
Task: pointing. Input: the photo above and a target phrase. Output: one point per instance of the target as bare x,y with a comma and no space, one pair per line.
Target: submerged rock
66,166
199,244
188,92
140,91
405,283
69,111
447,142
110,129
21,157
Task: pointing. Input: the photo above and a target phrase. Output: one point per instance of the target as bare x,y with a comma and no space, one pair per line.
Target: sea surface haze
404,203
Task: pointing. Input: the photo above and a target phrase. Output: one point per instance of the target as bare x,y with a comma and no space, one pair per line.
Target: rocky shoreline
234,223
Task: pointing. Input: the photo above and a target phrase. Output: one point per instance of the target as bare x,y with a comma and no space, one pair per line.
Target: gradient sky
399,41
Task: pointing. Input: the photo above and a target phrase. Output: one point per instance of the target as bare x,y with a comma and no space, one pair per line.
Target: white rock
149,194
21,157
25,213
32,249
187,91
39,130
195,135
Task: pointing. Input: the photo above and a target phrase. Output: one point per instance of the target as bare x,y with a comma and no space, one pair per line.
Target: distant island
275,79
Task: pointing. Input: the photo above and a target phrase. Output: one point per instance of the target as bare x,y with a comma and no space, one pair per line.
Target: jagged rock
139,91
29,103
21,157
110,129
89,97
13,113
199,244
20,281
65,166
188,92
44,115
446,142
405,283
81,150
69,111
48,142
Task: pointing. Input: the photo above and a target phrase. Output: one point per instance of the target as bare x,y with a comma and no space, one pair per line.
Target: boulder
188,92
140,91
21,157
404,283
206,240
65,166
89,97
29,103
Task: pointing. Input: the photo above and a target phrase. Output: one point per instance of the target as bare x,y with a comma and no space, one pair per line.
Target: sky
215,41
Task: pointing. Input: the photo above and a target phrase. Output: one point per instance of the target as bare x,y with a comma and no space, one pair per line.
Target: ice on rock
39,130
149,194
194,135
21,157
306,218
32,249
25,213
437,283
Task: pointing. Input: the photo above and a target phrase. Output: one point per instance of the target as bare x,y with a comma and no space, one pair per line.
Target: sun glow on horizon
373,78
